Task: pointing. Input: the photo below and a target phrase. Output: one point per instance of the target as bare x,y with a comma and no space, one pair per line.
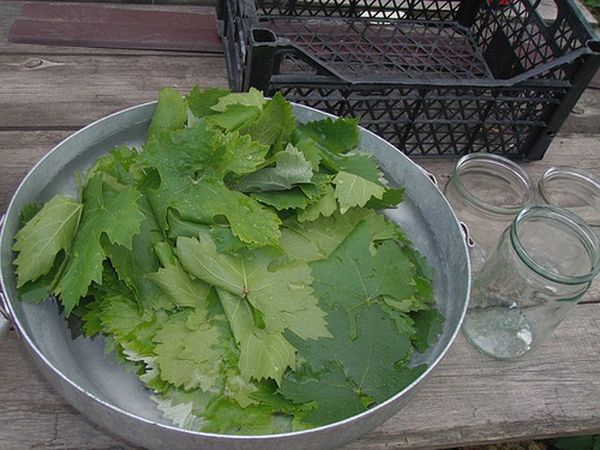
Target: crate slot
363,49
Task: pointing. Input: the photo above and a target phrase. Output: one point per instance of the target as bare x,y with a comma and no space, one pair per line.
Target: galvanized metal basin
99,387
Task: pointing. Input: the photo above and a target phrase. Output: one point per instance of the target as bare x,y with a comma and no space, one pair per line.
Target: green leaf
275,124
43,237
170,112
225,416
391,198
324,207
283,294
234,117
311,152
204,201
429,325
282,200
266,355
201,102
353,276
337,136
114,214
311,241
291,169
189,358
179,287
133,264
317,186
201,197
118,163
251,98
360,164
179,227
262,354
200,148
353,190
336,395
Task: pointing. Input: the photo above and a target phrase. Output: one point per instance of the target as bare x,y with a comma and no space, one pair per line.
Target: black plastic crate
432,77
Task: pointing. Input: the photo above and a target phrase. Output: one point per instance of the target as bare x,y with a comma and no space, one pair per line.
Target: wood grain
11,10
71,91
469,399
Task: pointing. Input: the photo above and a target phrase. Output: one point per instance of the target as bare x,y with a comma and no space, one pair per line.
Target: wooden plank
469,399
37,83
71,91
120,28
10,10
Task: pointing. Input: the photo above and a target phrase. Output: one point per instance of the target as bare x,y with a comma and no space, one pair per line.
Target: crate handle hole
548,11
594,46
261,35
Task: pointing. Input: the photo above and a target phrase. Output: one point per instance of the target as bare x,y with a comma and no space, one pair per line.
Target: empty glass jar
486,192
572,189
542,265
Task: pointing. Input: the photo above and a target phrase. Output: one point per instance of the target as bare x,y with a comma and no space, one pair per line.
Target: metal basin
99,387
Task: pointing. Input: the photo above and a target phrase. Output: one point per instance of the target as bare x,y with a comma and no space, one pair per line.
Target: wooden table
48,92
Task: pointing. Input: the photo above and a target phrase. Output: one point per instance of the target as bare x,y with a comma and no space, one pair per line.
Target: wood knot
32,63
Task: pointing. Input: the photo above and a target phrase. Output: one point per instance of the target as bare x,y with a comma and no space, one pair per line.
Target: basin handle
5,321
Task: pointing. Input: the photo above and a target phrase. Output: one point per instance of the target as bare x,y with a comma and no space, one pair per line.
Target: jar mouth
493,184
552,224
572,189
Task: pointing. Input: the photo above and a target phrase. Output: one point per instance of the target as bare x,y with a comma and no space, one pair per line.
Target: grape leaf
366,275
266,355
360,164
283,294
199,198
133,264
262,354
337,136
311,241
391,198
189,356
43,237
251,98
275,124
311,152
428,325
170,112
225,416
201,201
336,395
353,190
201,148
180,288
291,169
114,214
201,102
234,117
282,200
370,359
323,207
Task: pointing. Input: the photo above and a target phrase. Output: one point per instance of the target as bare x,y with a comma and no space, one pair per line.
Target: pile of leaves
238,263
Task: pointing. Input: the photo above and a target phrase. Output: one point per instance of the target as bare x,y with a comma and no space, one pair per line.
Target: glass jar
543,264
572,189
486,192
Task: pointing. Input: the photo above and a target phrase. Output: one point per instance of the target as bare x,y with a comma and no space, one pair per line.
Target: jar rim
569,172
499,163
587,236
